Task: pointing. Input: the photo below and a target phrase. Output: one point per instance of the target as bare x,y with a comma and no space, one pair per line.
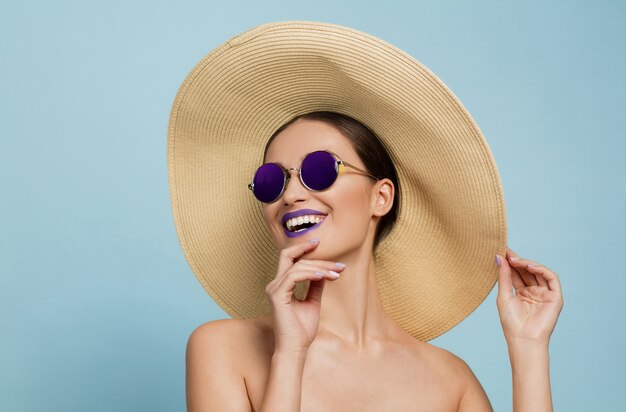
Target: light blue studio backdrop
96,299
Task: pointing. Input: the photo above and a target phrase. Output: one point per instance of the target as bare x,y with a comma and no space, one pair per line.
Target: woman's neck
352,313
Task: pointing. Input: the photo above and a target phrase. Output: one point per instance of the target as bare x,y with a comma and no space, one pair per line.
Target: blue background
96,299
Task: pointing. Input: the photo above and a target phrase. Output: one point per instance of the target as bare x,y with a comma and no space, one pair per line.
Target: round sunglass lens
268,182
319,170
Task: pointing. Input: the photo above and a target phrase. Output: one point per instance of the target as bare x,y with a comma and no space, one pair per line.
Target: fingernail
320,274
498,260
340,265
530,264
335,274
513,258
314,240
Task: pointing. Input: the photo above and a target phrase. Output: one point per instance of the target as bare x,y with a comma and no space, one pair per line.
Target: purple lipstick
298,213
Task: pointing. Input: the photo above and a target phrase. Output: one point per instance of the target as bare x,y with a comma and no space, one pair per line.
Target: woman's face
348,205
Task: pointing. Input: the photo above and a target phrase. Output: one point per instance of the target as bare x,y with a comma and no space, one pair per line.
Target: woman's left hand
529,314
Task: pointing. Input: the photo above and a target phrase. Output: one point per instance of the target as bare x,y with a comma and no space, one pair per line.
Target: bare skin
402,374
340,350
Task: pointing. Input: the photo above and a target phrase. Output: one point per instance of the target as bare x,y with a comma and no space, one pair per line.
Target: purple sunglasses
318,172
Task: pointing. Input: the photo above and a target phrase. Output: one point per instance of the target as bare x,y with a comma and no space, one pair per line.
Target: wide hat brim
438,263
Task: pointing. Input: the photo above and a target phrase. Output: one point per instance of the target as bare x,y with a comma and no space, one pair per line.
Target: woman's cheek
351,228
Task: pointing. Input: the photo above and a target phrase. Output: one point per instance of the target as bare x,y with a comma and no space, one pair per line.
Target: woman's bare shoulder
237,337
436,366
228,327
443,363
436,354
453,369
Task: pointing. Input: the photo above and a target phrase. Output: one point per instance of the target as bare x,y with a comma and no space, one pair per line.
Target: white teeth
303,219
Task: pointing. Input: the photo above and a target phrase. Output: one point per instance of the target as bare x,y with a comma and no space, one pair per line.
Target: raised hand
529,314
296,322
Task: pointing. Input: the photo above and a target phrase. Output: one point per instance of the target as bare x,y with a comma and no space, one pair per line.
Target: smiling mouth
302,223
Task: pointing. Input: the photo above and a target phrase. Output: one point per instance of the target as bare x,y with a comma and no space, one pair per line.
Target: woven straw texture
438,263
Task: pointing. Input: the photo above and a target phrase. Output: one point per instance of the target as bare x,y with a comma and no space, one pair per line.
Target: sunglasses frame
287,175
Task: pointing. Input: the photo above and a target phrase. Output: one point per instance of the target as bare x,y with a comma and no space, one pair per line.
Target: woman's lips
302,232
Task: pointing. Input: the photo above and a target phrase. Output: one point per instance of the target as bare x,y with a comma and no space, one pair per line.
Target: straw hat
438,263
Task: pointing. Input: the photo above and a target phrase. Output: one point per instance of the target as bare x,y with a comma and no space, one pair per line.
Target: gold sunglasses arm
360,170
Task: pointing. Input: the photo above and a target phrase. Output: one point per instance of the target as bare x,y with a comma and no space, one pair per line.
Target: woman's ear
383,193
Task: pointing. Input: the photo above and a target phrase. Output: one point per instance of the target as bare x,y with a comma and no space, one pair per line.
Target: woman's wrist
527,357
289,355
527,347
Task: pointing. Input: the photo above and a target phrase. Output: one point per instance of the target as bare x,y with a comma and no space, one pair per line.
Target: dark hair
370,149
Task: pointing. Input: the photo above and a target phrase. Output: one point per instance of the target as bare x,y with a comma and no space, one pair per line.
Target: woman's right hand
296,321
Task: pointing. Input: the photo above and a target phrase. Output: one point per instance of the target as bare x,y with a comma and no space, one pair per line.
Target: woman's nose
294,190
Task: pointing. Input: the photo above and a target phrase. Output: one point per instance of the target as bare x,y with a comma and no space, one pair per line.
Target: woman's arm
528,318
474,398
284,387
530,366
213,383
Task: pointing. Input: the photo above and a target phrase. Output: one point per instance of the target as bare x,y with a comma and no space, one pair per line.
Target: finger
328,271
332,273
290,254
541,281
522,266
298,275
529,278
314,294
518,282
550,277
516,279
321,264
283,289
505,285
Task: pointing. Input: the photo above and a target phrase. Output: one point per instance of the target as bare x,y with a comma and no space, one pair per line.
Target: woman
339,347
